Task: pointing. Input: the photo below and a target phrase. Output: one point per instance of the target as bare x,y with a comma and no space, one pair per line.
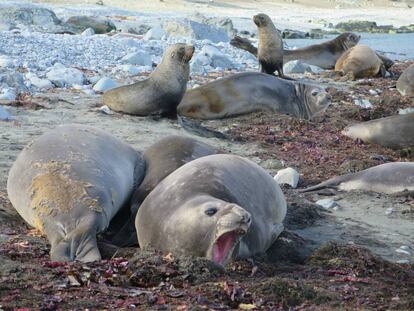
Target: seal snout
188,52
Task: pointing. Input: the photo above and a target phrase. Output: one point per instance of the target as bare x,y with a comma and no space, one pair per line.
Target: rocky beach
340,250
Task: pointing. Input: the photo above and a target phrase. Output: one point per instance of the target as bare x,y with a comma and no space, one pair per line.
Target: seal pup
250,92
405,83
216,206
323,55
270,50
161,159
385,178
360,61
69,183
161,92
394,132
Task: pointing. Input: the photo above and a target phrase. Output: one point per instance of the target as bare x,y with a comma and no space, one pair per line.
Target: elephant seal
385,178
216,207
253,91
69,183
161,92
162,158
360,61
323,55
394,132
405,83
270,50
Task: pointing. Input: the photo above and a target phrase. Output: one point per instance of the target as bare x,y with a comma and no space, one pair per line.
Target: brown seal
161,92
395,132
270,51
405,83
360,61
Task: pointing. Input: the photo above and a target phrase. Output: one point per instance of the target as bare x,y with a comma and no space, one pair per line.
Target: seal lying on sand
395,132
405,83
323,55
161,92
253,91
270,51
162,158
213,207
360,61
69,184
385,178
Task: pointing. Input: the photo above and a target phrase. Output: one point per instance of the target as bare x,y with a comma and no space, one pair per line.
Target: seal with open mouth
218,207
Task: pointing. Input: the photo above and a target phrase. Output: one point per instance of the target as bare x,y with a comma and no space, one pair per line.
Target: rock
5,115
62,76
191,29
94,79
403,261
12,79
373,92
88,32
105,109
298,66
403,251
389,211
155,33
6,61
224,23
99,25
8,94
133,27
104,84
138,58
35,81
294,34
272,164
406,110
327,203
130,69
217,58
363,103
198,64
287,176
363,26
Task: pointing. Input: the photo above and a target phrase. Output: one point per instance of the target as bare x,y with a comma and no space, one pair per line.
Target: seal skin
270,50
405,83
218,207
162,158
69,183
161,92
253,91
394,132
360,61
323,55
385,178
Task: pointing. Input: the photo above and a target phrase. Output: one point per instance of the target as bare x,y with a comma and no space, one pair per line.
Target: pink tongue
222,247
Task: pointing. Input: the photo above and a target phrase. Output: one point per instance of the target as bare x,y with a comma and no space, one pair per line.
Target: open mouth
223,247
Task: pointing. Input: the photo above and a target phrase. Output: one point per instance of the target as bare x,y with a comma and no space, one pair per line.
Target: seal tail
330,183
195,127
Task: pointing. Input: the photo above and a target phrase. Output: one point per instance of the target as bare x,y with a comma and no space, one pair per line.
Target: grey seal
69,183
385,178
161,92
396,132
253,91
405,83
218,207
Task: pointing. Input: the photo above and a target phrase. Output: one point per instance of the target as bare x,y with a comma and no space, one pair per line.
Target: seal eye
210,211
314,93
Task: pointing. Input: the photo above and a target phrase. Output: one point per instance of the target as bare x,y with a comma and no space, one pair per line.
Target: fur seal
162,158
395,132
270,50
216,207
323,55
69,183
253,91
405,83
385,178
161,92
360,61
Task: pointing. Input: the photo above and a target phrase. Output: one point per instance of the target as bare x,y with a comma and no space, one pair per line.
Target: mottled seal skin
394,132
323,55
69,183
161,92
358,62
218,206
405,83
253,91
162,158
270,50
385,178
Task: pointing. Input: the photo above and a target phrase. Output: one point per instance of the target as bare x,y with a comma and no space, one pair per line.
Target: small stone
298,66
5,115
43,84
88,32
104,84
6,62
403,251
406,110
405,247
389,211
132,70
327,203
373,92
287,176
155,33
8,94
362,103
62,76
94,79
403,261
138,58
105,109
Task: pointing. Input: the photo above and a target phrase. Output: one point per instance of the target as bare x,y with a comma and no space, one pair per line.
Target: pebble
132,70
403,261
327,203
5,115
6,62
363,103
287,176
43,84
406,110
403,251
62,76
105,109
88,32
373,92
138,58
8,94
155,33
104,84
389,211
